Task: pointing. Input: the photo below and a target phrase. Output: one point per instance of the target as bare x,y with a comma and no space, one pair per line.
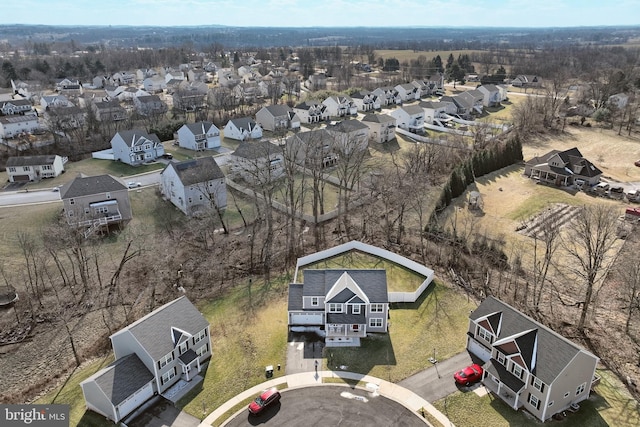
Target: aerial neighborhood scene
341,213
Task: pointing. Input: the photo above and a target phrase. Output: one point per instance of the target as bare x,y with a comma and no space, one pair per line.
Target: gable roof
548,353
122,378
88,185
413,109
31,160
137,137
246,123
278,110
372,282
198,170
154,331
574,163
199,128
378,118
347,126
255,150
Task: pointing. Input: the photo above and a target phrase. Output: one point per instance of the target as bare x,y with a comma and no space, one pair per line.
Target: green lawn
399,279
437,321
611,405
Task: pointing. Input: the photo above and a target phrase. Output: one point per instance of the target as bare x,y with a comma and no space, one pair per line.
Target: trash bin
268,371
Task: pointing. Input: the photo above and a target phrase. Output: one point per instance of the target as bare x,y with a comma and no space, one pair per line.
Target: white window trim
376,322
201,335
581,388
517,368
335,308
165,360
356,309
315,301
534,401
538,384
376,308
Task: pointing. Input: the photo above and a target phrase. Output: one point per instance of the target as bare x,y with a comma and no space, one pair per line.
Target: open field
407,55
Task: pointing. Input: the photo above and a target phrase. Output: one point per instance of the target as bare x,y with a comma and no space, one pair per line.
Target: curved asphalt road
330,406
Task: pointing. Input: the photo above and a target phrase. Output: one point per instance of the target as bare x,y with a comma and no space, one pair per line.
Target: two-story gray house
528,365
134,147
166,347
199,136
348,304
194,186
95,202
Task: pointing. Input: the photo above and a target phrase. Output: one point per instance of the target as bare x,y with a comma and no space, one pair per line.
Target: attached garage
478,349
306,318
135,400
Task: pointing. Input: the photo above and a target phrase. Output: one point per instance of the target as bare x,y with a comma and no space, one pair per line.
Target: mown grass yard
610,405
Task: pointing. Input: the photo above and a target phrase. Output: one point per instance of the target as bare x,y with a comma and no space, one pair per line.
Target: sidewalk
392,391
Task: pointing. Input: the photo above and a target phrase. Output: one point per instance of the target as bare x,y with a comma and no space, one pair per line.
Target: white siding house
242,128
199,136
34,168
135,147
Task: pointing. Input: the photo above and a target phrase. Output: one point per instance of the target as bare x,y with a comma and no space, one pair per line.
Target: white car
134,184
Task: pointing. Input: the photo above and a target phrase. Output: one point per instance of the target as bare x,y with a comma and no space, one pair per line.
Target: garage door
479,350
135,400
305,319
21,178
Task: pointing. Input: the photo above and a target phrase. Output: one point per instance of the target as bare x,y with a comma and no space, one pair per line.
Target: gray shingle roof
372,282
122,378
347,126
131,137
198,170
554,351
199,128
413,109
87,185
246,123
278,110
31,160
499,371
346,318
378,118
255,150
153,331
295,296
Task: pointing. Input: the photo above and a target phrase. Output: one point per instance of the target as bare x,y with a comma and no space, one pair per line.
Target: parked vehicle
266,398
633,195
469,375
133,184
602,187
637,163
167,156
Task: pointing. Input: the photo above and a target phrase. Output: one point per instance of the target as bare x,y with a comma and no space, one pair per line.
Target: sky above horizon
326,13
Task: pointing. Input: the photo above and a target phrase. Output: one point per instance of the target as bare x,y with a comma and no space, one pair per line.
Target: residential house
314,149
108,110
277,117
526,364
422,88
113,91
436,110
526,80
95,203
365,101
311,112
340,106
246,92
69,87
271,88
349,136
504,92
130,93
34,168
124,78
491,95
199,136
242,128
154,84
409,118
135,147
48,101
164,349
142,74
382,127
436,84
227,78
61,119
562,168
173,75
197,75
190,96
407,92
387,95
194,186
11,126
316,82
16,106
149,105
258,162
27,89
347,304
618,101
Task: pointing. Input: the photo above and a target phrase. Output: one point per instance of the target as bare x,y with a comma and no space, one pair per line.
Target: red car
468,375
267,398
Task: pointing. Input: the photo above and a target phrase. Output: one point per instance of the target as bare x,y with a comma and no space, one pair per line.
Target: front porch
503,384
181,388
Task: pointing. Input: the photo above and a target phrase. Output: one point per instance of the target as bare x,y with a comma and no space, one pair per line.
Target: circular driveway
330,406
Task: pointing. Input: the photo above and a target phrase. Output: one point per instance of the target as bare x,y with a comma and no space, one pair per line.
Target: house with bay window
162,353
526,364
347,304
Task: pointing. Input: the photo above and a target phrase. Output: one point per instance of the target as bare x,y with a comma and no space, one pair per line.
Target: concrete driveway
303,349
164,414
